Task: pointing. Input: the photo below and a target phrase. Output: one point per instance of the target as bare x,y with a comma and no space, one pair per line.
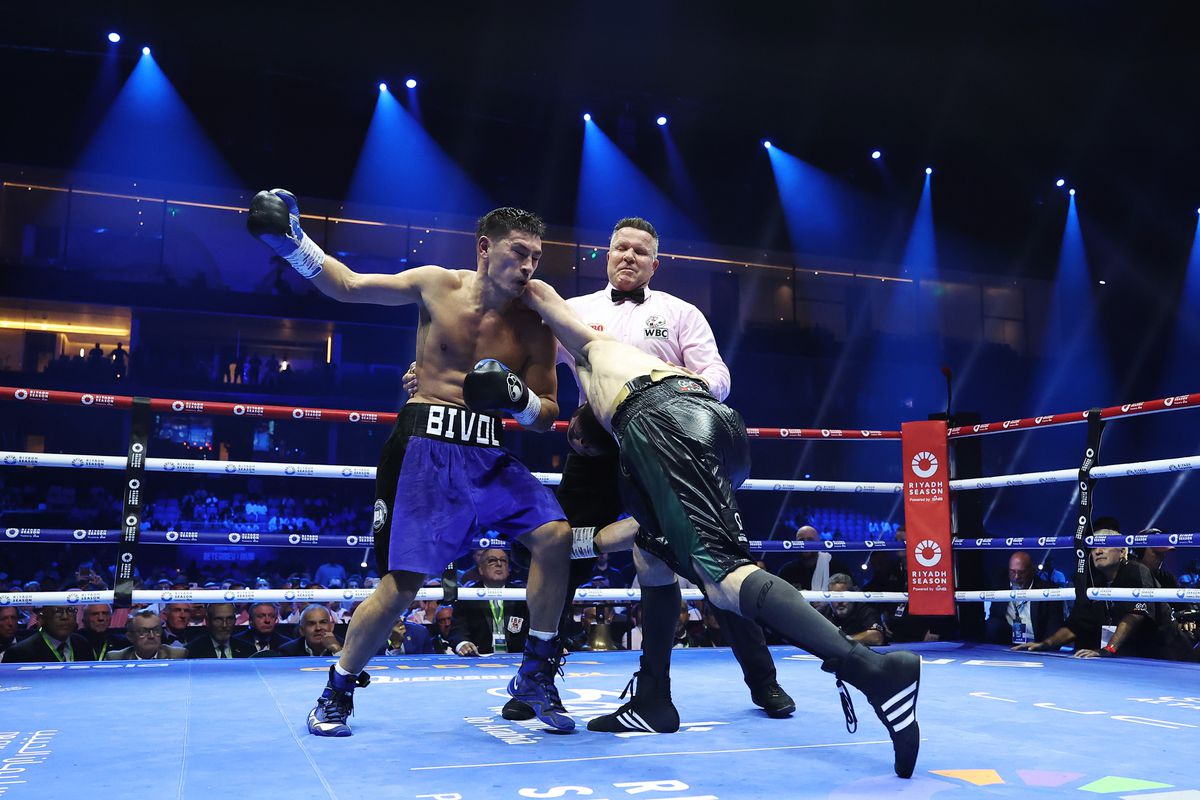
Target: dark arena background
980,214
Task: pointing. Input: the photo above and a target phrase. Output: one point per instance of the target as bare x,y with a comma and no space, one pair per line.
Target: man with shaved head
1109,629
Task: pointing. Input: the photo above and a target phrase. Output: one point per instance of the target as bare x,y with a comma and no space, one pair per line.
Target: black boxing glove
491,386
274,220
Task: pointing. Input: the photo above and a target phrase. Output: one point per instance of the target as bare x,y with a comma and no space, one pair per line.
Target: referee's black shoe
771,698
517,711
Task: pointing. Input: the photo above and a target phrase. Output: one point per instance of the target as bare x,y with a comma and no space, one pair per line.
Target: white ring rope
208,596
19,459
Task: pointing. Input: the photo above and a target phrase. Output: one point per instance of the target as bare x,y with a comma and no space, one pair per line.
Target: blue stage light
114,37
587,117
767,143
1061,182
876,154
929,170
1072,193
661,121
382,86
411,83
145,51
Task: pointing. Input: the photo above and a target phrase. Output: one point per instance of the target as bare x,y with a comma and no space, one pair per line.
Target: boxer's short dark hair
500,222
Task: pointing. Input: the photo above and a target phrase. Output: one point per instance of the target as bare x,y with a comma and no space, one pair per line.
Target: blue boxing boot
534,683
336,704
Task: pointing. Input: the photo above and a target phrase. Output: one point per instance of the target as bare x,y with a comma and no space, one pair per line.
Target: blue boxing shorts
444,479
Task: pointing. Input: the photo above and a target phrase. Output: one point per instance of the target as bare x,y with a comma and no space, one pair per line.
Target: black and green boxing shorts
683,455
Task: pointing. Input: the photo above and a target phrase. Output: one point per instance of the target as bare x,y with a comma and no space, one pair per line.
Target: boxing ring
994,722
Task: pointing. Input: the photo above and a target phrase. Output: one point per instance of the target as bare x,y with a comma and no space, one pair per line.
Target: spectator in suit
219,642
443,621
492,625
861,622
316,634
176,619
262,634
144,630
55,640
9,625
1022,621
407,640
96,621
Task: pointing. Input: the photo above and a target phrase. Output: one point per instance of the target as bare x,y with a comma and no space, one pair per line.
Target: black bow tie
638,295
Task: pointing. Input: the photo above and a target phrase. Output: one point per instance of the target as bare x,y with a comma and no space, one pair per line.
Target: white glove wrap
308,259
529,414
583,543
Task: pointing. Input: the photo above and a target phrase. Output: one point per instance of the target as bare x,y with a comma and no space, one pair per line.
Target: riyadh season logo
928,553
924,464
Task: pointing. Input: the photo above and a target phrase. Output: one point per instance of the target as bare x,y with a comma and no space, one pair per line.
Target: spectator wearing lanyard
1108,629
96,621
491,626
1021,621
56,640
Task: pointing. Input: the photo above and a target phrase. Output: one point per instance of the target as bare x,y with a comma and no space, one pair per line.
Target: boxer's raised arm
568,328
274,220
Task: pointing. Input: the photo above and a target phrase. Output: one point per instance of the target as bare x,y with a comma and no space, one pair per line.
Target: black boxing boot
891,682
649,710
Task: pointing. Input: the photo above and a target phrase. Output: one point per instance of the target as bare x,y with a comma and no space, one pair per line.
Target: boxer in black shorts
683,454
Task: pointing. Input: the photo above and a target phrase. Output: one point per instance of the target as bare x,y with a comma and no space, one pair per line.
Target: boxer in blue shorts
443,473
